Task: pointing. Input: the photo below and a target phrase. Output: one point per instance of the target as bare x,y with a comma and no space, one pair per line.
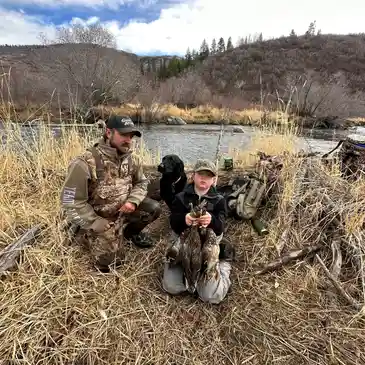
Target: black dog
173,178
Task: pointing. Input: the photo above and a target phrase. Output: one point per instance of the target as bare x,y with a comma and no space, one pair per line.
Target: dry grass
56,310
359,121
205,114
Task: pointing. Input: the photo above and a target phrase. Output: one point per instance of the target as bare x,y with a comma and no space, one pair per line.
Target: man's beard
124,148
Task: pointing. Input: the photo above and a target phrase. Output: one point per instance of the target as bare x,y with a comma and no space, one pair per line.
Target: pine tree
204,50
311,30
174,67
240,41
292,34
188,58
162,72
229,43
213,47
221,45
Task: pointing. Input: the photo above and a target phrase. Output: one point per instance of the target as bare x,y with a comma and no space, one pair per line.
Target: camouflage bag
247,196
249,202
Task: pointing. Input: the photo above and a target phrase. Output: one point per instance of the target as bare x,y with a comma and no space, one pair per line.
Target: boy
204,177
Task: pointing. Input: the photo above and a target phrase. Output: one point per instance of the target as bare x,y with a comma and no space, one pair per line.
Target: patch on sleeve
68,196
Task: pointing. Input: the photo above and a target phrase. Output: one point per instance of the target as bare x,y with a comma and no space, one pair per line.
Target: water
193,141
200,141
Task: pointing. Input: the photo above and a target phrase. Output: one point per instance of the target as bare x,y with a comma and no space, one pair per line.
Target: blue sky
170,26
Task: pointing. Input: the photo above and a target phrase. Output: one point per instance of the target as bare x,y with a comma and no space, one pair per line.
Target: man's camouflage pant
107,248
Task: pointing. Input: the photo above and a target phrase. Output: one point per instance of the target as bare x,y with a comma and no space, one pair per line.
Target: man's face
122,142
203,180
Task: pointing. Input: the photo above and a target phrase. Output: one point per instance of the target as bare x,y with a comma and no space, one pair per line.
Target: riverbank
57,310
172,114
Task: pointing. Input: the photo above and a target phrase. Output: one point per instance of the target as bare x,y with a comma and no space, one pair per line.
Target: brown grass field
56,310
159,113
155,113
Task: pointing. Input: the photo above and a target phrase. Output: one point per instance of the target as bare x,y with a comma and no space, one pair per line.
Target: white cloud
185,25
113,4
18,28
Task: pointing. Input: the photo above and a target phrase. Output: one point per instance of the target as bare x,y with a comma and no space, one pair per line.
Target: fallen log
290,256
10,254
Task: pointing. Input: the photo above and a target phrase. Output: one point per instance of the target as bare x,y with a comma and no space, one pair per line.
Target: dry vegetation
321,76
200,114
328,67
57,310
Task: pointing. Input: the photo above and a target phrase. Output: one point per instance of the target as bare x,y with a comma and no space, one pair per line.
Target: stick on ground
290,256
339,288
11,253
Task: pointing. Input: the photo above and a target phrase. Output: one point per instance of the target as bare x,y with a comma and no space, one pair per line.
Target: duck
191,249
209,254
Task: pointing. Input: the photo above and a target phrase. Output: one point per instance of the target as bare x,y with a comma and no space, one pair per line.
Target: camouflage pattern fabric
106,248
85,199
205,165
93,191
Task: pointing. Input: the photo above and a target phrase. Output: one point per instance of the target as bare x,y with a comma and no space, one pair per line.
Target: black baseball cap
123,125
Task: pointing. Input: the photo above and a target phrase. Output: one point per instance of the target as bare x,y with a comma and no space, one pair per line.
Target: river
193,141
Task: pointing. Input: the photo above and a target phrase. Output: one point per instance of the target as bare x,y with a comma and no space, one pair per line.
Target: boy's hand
205,220
190,221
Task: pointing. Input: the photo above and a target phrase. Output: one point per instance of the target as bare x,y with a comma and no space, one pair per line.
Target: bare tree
188,89
149,108
309,97
86,66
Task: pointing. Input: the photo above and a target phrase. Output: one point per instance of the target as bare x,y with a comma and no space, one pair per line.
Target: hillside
328,55
331,68
333,64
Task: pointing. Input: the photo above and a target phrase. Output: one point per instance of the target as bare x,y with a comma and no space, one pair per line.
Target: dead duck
191,249
209,254
173,252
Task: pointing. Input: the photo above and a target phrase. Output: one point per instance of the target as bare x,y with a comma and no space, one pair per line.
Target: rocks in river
238,130
175,121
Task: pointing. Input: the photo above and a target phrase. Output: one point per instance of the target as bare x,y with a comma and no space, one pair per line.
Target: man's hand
128,207
100,225
205,220
190,221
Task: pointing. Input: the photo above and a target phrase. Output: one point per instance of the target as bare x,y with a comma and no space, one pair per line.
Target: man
215,289
106,187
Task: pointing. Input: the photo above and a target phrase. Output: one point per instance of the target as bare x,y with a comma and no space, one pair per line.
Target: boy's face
203,179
